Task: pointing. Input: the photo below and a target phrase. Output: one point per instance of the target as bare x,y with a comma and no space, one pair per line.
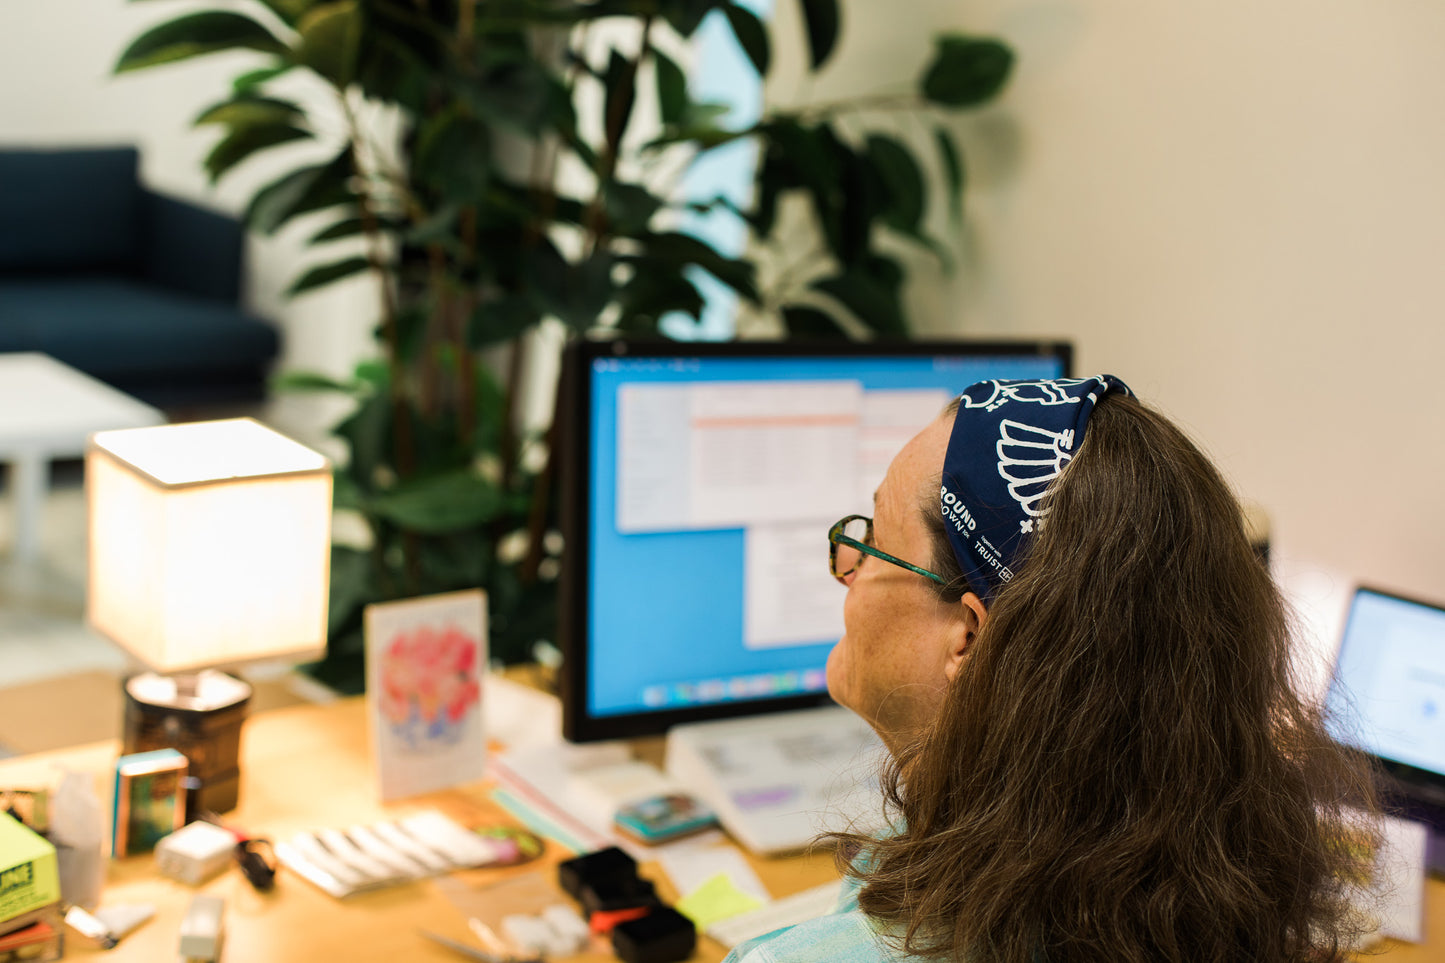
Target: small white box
195,852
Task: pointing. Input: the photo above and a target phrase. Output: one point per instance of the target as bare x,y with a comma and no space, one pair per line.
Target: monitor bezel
573,419
1402,775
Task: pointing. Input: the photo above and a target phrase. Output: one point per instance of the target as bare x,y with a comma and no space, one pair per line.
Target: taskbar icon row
761,685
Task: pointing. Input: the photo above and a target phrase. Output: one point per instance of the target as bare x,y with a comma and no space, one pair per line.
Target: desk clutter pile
53,870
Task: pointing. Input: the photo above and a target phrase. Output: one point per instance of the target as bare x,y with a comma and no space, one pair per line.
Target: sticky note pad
719,898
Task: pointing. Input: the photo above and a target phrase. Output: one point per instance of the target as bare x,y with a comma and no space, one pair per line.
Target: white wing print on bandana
1036,392
1029,459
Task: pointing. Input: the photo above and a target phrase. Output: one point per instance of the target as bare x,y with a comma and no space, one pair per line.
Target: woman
1081,671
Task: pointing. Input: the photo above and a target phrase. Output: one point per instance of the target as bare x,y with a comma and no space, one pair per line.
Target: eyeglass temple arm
878,553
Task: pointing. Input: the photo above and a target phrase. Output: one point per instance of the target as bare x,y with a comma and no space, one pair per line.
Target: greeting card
424,662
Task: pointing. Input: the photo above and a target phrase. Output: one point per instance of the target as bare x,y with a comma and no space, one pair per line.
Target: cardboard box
29,880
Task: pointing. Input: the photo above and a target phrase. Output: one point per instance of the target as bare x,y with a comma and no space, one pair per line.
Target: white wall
1234,205
1239,207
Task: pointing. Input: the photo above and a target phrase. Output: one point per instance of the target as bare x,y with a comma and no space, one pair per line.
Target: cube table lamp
209,548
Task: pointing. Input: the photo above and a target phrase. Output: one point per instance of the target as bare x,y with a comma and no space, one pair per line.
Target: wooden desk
309,767
306,768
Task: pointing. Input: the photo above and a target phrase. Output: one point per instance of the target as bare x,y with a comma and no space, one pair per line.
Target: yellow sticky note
717,899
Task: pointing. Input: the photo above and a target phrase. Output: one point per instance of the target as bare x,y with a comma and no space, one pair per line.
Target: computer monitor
699,481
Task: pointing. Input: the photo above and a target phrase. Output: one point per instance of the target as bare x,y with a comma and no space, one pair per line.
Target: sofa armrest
188,248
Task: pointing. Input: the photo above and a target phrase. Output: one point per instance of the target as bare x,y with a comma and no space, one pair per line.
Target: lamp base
199,715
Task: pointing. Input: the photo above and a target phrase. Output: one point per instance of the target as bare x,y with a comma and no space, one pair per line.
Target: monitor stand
778,780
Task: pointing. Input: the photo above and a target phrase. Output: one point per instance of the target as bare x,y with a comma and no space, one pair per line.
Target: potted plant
442,178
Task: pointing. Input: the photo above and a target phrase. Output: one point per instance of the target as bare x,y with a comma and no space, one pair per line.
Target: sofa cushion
116,329
77,209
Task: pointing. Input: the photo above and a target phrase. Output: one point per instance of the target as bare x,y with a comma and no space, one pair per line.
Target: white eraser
201,928
571,929
527,933
124,917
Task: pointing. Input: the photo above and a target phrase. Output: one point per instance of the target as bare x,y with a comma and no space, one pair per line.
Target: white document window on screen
728,455
789,597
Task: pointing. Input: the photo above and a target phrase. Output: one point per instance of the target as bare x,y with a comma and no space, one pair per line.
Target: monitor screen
699,484
1387,693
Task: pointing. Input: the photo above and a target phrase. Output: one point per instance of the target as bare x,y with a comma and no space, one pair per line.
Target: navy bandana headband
1010,440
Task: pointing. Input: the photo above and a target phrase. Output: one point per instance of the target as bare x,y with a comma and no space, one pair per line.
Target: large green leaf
684,15
249,108
516,90
348,227
351,585
390,70
194,35
676,248
324,274
439,504
952,162
412,324
331,40
774,177
453,155
501,319
872,291
671,88
575,293
289,10
251,80
966,71
820,18
858,197
367,432
907,194
819,161
448,563
310,381
809,323
306,189
630,207
242,142
752,35
814,159
653,291
620,81
345,493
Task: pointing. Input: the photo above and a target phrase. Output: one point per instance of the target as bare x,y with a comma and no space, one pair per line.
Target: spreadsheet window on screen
713,483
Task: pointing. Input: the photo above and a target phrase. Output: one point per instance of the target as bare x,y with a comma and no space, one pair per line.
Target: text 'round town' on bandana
1010,441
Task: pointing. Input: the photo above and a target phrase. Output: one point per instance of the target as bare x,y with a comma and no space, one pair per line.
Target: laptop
1387,698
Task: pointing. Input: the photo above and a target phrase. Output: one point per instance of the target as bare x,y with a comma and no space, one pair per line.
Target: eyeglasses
851,538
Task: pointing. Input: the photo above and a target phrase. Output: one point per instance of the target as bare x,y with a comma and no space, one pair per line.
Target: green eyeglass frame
836,538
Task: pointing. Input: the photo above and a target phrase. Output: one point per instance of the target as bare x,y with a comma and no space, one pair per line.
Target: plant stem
595,221
541,493
403,452
831,108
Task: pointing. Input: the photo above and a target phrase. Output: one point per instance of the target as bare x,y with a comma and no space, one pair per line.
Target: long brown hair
1121,769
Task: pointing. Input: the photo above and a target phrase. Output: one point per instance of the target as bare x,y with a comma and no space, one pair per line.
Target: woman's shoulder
841,937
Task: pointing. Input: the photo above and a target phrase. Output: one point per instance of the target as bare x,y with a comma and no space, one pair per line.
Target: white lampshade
209,543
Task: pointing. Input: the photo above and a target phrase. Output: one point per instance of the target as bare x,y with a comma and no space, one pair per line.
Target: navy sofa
135,288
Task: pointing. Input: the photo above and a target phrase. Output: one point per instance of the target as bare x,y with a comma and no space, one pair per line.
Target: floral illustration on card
429,685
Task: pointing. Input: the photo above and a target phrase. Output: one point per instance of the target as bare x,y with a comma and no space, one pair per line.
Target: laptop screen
1387,695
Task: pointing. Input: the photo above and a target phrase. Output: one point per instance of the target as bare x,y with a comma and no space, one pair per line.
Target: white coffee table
49,410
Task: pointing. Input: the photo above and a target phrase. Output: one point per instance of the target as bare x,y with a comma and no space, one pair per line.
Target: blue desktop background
666,608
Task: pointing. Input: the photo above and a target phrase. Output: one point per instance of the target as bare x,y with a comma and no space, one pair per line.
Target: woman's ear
973,616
